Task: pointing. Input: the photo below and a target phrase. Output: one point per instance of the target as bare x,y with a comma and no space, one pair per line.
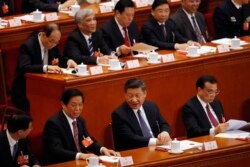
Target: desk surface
170,85
230,152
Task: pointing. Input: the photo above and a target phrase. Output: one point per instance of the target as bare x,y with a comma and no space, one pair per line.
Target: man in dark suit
86,44
190,23
121,32
5,8
159,32
65,136
46,5
203,114
38,54
231,18
138,123
13,145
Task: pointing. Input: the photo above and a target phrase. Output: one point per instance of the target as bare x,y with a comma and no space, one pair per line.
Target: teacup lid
37,11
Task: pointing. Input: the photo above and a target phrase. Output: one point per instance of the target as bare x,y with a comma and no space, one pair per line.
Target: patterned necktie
91,49
144,127
163,29
126,38
76,137
197,31
15,148
211,116
45,56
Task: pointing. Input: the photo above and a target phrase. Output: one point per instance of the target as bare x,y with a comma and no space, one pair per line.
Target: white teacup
175,146
114,64
93,161
37,15
235,42
82,69
74,9
193,50
153,57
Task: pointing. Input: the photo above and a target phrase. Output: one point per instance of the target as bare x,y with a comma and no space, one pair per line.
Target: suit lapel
117,32
201,113
217,111
157,29
187,22
84,43
150,118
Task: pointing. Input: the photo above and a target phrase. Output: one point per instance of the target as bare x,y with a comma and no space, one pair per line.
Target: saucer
236,48
179,152
114,69
83,74
191,56
37,21
153,62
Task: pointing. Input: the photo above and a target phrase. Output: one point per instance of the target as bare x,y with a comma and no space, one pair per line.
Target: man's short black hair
203,79
122,4
157,3
134,83
70,93
49,28
18,121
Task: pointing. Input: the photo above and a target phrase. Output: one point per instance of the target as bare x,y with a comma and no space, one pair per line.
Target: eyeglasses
211,92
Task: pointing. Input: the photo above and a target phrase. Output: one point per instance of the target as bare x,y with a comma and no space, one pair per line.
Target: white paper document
233,134
227,41
237,124
111,159
185,145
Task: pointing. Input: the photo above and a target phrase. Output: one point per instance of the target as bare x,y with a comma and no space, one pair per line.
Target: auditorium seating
18,6
210,24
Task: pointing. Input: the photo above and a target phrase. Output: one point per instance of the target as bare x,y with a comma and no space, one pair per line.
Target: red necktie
211,116
126,38
76,137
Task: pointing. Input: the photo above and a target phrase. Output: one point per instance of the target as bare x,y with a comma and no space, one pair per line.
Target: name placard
133,63
51,16
105,8
96,70
223,48
126,161
168,57
211,145
15,22
141,3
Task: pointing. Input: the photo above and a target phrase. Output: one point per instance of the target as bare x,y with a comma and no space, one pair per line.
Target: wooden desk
17,35
170,85
230,153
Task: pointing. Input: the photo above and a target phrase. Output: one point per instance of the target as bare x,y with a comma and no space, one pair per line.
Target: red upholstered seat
35,141
210,24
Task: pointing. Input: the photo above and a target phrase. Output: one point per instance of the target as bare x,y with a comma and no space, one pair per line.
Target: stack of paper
234,134
227,41
185,145
237,124
143,48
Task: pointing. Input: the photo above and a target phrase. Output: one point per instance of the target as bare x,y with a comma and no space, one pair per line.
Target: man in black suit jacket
203,114
46,5
13,145
230,18
160,32
38,54
184,24
128,129
62,140
113,30
78,46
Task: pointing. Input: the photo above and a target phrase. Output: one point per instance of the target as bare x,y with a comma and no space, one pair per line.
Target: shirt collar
40,43
238,6
202,102
70,120
12,141
118,24
188,14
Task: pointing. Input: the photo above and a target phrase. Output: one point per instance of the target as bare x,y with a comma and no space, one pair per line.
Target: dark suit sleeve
123,132
150,37
76,51
38,4
102,44
191,124
161,123
52,138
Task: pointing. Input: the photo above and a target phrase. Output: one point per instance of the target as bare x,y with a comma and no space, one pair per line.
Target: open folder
143,48
238,124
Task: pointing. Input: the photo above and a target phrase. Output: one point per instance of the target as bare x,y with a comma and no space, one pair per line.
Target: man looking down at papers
160,32
203,114
137,122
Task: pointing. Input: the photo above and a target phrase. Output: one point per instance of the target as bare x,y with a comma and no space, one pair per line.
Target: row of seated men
136,123
88,45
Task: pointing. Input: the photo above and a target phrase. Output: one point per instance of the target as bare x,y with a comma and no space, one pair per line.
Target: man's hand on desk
182,46
108,152
190,43
123,49
54,69
221,128
163,138
103,60
85,156
71,64
67,4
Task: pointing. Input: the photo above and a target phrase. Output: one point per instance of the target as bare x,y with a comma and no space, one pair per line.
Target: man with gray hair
85,44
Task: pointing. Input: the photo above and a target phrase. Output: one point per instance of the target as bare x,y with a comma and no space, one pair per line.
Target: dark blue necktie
15,148
91,49
144,127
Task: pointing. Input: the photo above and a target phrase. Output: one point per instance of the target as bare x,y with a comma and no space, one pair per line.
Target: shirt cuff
78,156
118,51
45,68
101,150
212,132
152,142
